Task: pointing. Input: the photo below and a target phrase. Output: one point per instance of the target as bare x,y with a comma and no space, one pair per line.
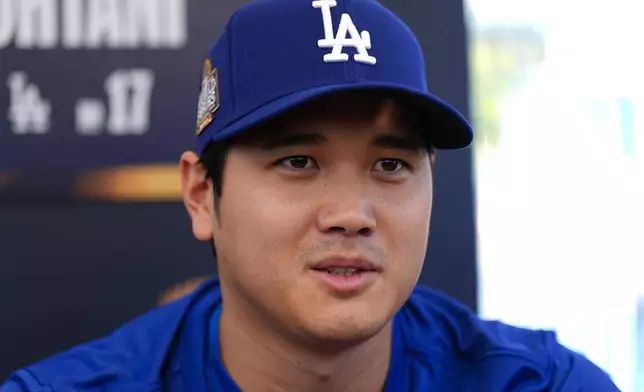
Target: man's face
323,222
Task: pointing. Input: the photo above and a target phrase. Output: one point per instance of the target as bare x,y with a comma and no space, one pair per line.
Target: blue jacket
438,345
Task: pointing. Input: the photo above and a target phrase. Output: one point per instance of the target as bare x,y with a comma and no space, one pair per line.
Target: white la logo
361,42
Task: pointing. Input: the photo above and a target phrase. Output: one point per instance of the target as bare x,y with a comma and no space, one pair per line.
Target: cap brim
446,129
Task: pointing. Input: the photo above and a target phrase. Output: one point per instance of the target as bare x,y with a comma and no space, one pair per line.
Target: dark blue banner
89,87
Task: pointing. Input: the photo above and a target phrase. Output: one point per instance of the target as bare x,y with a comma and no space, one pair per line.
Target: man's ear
198,195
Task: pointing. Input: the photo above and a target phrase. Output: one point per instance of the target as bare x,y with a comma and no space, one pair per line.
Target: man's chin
344,332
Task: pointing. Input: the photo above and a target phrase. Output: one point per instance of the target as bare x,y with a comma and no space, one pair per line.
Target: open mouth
345,279
343,271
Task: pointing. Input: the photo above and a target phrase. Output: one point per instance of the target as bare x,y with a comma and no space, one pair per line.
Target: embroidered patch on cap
208,97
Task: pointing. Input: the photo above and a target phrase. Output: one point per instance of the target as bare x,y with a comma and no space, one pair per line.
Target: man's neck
261,360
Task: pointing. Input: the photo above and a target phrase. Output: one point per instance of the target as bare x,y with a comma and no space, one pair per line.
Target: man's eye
297,162
390,165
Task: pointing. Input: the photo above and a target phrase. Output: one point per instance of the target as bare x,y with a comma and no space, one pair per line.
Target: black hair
213,160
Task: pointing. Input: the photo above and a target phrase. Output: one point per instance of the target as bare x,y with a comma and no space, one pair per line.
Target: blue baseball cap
275,55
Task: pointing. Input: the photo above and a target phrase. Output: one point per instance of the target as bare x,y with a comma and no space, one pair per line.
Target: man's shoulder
465,333
453,340
131,358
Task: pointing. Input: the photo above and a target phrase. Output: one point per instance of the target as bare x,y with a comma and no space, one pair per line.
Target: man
313,178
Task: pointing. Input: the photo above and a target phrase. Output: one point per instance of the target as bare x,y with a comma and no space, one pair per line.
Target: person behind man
181,289
313,179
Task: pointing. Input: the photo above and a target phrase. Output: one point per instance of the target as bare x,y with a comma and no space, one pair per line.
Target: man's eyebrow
292,140
396,142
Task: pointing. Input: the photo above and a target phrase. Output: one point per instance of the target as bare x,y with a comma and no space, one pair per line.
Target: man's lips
346,275
359,264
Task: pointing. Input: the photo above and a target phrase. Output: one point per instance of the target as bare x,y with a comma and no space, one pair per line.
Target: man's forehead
382,114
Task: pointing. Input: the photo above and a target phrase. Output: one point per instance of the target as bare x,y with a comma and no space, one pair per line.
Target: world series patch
208,97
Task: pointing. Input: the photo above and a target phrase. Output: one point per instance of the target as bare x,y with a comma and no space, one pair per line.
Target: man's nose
348,213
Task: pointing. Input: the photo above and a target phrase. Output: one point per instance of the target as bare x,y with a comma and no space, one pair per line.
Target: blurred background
539,224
